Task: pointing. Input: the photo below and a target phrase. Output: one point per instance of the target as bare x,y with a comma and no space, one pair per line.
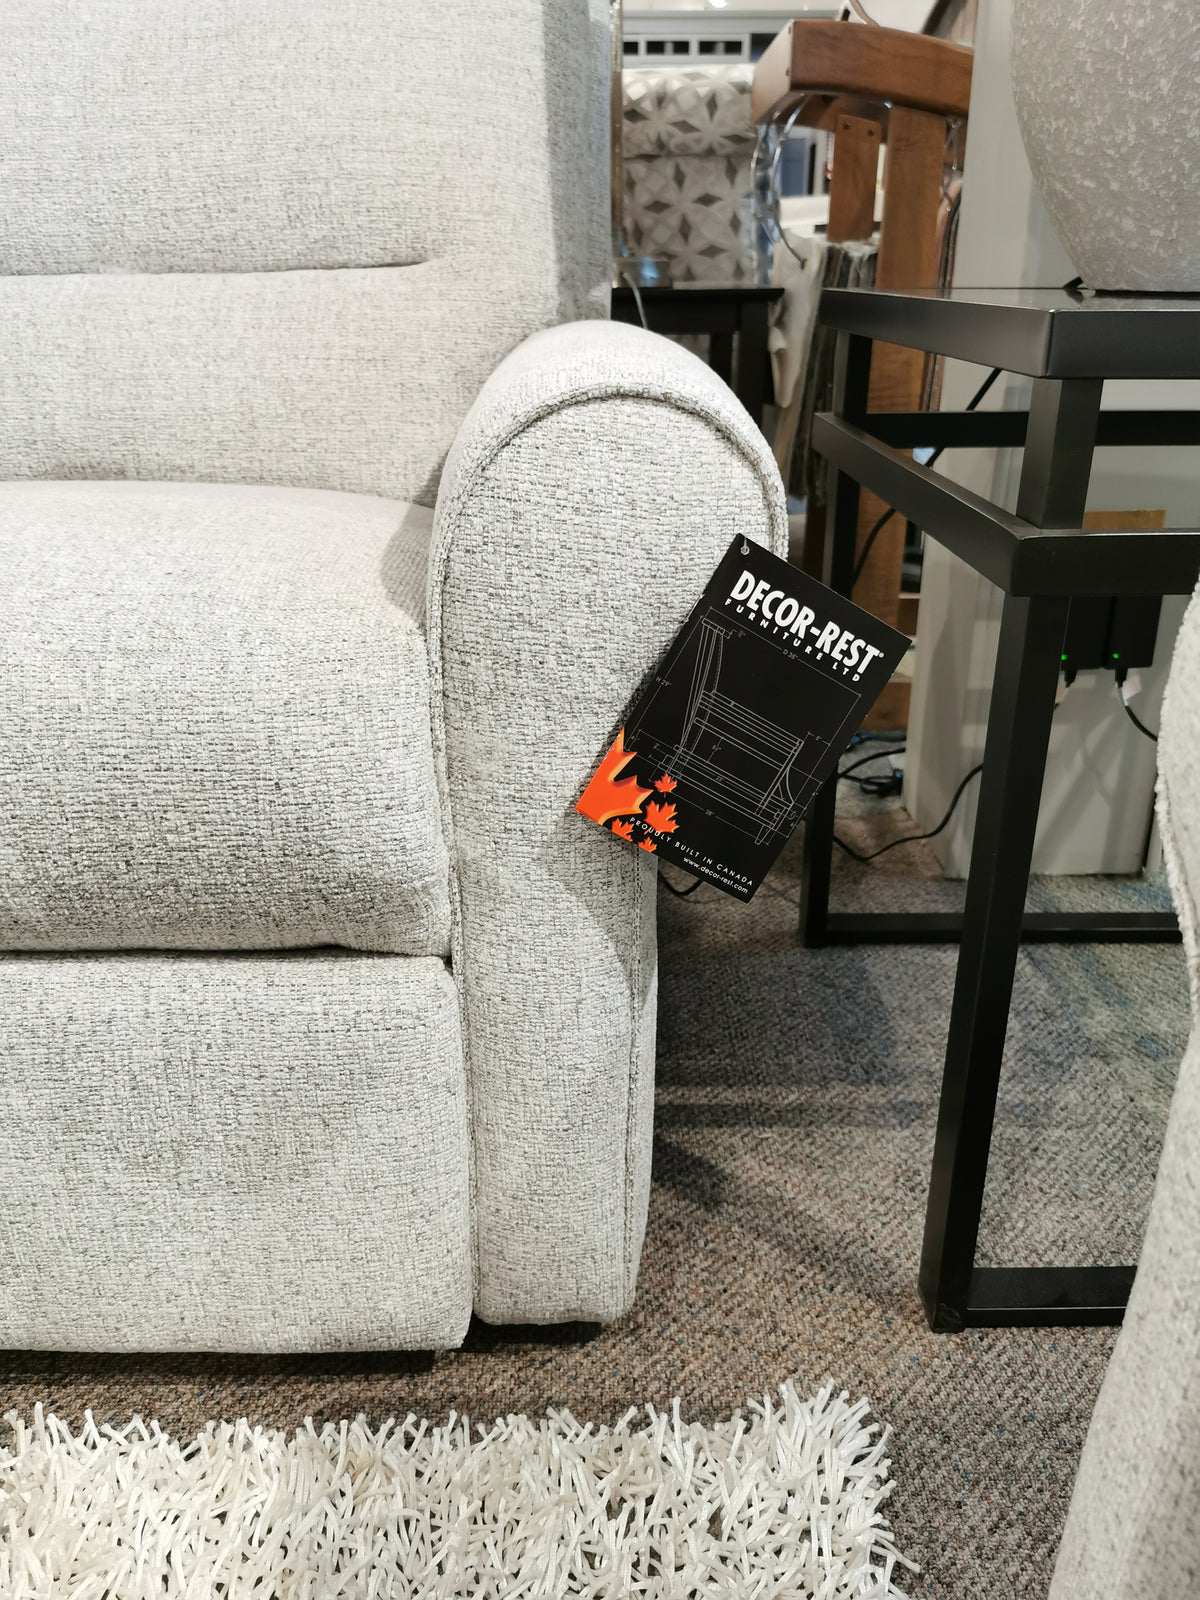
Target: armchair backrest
285,241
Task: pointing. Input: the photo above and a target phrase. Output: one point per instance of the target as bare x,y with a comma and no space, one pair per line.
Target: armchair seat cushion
214,720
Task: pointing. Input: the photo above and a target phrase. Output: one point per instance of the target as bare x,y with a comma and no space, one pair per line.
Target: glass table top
1060,332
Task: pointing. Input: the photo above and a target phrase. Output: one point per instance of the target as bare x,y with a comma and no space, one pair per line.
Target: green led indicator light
1116,655
1064,655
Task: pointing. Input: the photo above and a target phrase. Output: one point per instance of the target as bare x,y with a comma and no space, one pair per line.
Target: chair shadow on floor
56,1367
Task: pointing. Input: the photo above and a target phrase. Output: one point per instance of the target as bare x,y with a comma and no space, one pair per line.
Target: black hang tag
725,748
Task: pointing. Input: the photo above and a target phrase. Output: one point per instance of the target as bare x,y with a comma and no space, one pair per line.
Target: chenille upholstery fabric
254,242
1133,1527
248,244
255,1152
596,482
214,729
688,141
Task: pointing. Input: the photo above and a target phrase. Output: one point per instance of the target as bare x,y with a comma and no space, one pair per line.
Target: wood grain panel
852,186
908,259
883,64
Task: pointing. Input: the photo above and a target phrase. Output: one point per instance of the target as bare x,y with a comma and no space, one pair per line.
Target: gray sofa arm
591,490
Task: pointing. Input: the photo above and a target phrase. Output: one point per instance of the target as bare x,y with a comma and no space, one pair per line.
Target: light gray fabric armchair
323,1017
1133,1529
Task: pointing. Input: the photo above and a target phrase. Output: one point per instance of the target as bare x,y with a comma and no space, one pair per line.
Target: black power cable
1137,721
1141,727
888,515
879,784
680,894
863,761
913,838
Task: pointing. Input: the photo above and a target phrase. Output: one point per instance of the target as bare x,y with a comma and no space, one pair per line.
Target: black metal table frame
720,310
1039,558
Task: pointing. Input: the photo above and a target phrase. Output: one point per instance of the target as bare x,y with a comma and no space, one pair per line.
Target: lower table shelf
1037,927
1039,1297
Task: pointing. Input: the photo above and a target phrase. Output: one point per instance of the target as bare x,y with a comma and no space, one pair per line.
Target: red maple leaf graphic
647,844
665,784
623,830
608,796
661,818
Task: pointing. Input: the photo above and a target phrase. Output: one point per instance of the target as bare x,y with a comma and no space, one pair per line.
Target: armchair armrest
591,490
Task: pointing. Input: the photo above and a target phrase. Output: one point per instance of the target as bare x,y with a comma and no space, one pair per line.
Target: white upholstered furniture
1133,1529
336,527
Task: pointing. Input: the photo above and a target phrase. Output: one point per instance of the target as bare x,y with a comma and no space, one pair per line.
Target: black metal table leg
720,354
817,860
1027,663
954,1292
753,358
816,866
852,376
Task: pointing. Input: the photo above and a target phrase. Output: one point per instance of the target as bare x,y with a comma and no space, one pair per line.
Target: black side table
1041,559
720,310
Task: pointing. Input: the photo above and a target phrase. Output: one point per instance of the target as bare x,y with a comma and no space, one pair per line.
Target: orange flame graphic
607,795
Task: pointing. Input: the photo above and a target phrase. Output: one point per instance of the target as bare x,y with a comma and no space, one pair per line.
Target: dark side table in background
720,310
1063,587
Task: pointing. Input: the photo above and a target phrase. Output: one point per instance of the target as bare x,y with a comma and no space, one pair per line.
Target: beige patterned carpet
797,1092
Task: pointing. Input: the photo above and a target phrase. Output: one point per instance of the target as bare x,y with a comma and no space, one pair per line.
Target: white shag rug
778,1504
